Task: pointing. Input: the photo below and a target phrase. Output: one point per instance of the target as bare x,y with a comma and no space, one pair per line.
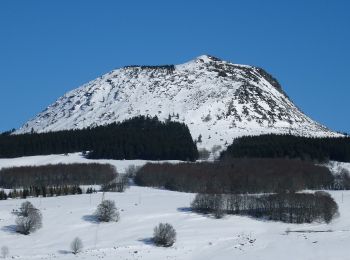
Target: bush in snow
164,235
29,218
76,246
4,251
107,211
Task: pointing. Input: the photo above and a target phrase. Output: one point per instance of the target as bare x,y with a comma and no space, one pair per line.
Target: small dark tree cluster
34,191
3,195
137,138
90,190
29,218
286,207
60,175
289,146
236,176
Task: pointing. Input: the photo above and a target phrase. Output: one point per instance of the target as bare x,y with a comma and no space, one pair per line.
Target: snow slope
217,99
198,237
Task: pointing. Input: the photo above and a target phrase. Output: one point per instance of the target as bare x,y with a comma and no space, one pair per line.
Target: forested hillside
137,138
289,146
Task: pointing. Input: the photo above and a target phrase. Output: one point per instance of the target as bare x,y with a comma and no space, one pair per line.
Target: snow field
199,237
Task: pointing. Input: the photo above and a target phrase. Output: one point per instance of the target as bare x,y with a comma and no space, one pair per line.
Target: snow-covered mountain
218,100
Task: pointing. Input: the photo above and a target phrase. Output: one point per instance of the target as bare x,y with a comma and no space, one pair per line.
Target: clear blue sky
50,47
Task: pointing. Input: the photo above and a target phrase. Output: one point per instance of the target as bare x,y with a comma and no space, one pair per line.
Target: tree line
236,176
42,191
58,176
285,207
137,138
320,149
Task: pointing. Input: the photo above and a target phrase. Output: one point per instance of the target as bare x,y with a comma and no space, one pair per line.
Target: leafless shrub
164,235
29,219
107,211
76,246
25,209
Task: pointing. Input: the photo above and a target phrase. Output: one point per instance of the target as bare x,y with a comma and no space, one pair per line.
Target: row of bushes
285,207
118,185
236,176
58,175
42,191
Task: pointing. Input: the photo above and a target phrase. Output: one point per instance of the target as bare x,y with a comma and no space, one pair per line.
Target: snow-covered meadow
198,237
38,160
141,209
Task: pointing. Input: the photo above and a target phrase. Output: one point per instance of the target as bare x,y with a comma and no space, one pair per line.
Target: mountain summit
218,100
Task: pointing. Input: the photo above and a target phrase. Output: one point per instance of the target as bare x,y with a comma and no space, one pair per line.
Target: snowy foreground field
198,237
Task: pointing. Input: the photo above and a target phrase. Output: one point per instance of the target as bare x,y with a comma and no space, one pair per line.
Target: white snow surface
199,237
217,99
337,167
120,165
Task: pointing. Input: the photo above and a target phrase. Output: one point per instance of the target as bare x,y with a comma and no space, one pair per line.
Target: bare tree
4,251
107,211
164,235
76,246
29,218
